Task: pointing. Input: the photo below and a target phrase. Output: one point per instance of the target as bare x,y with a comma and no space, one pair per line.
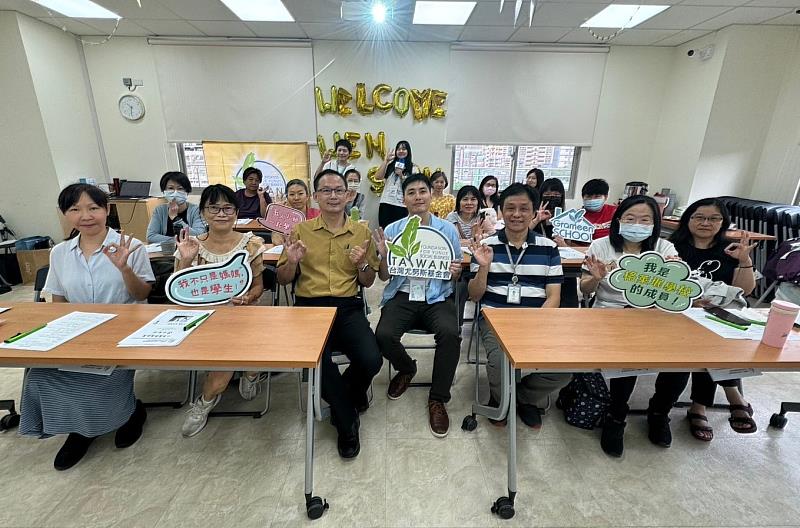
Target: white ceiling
554,21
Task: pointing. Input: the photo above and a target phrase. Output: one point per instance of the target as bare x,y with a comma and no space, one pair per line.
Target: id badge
417,288
514,295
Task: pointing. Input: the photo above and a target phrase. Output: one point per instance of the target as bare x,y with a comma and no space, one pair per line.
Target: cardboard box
32,261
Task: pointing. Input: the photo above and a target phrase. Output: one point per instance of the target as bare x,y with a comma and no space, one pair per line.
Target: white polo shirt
96,281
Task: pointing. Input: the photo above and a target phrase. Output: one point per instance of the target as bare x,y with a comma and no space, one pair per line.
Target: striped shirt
539,266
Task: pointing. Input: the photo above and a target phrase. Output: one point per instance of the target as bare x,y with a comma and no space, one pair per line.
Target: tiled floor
240,472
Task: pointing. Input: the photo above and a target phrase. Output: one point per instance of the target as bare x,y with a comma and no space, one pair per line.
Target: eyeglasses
700,219
215,209
335,192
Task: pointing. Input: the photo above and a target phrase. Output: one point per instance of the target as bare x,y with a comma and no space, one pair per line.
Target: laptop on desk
134,189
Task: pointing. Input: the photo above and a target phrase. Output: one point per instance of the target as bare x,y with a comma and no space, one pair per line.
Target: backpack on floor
585,400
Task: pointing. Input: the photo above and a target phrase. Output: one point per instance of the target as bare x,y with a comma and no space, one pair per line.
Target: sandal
704,433
743,424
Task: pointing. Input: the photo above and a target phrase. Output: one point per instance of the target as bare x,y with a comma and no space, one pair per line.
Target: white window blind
524,97
231,93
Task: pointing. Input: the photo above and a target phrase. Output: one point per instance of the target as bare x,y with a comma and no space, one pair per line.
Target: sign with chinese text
647,280
572,225
210,284
281,218
420,252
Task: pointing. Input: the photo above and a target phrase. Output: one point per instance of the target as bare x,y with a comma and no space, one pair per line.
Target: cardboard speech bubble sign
572,225
420,252
211,284
648,280
281,218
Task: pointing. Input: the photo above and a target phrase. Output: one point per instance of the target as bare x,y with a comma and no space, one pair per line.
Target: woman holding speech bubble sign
297,197
218,205
635,228
700,240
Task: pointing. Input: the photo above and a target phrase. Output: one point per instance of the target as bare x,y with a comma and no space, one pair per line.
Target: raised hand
482,254
389,157
188,246
327,156
543,213
118,253
295,251
358,255
380,242
741,250
597,268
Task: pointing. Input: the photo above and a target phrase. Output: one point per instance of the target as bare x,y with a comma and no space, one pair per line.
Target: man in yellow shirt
329,257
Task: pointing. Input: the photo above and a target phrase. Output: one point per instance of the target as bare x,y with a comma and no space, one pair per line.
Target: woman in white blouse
635,228
96,265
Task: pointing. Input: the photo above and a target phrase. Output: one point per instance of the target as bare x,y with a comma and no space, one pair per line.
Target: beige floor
240,472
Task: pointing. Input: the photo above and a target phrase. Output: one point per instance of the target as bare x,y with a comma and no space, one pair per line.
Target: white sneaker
250,388
198,415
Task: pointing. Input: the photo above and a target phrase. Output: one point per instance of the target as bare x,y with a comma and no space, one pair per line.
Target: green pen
759,323
23,334
195,322
732,325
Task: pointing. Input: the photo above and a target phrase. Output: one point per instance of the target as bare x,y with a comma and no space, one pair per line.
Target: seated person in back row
297,198
598,212
414,303
329,257
252,201
517,267
171,218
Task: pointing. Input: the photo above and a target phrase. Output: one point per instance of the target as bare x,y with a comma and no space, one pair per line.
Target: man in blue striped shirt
516,267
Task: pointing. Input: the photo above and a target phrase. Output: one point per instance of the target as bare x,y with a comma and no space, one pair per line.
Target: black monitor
134,189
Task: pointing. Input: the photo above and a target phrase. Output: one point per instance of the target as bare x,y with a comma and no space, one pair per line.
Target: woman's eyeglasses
700,219
215,209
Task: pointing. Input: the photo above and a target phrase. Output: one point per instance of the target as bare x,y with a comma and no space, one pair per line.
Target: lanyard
514,278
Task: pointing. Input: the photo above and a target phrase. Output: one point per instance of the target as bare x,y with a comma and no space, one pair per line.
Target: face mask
594,204
178,196
488,191
635,232
353,186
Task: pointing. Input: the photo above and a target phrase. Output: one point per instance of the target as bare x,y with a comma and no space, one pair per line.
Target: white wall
134,150
779,166
29,185
627,119
61,90
747,90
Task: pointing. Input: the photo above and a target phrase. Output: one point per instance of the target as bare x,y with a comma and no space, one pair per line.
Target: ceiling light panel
623,16
442,13
78,8
259,10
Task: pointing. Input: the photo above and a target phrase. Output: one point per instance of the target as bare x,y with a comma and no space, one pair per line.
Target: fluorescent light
78,8
379,12
260,10
442,13
623,16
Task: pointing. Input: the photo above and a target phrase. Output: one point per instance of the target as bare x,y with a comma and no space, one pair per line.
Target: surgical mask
488,191
179,197
594,204
353,186
635,232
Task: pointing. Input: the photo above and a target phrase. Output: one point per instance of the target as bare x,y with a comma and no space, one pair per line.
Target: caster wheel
504,507
9,422
469,423
315,507
778,421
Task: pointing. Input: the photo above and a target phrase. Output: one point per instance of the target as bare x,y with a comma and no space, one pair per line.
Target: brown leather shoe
438,421
399,385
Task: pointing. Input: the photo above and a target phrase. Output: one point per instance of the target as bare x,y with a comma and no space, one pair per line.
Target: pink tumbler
782,315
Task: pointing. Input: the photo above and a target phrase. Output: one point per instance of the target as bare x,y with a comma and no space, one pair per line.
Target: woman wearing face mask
441,204
355,198
635,229
552,191
170,218
490,190
395,168
598,212
341,164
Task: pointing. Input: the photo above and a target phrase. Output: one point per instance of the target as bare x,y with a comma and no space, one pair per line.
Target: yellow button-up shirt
326,269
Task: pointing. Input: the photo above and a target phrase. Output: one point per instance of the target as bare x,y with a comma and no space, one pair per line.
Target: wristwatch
363,268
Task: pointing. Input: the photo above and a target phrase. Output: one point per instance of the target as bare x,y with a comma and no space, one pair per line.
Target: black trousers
400,315
703,387
388,213
351,335
669,386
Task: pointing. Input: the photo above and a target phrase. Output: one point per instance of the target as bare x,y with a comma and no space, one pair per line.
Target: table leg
315,506
504,506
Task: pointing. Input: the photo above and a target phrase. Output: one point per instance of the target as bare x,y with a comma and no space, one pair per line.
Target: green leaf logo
249,161
408,246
